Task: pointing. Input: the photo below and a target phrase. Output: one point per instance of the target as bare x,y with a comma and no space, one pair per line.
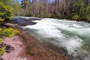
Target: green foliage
1,20
5,11
87,12
10,32
79,3
2,50
0,57
8,9
2,13
88,17
75,17
1,40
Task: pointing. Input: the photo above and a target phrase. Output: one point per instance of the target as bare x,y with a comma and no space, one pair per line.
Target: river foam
70,35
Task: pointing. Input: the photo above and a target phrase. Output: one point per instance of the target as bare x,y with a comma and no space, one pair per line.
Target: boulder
23,21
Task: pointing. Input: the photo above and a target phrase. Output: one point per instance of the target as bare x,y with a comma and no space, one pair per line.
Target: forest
64,9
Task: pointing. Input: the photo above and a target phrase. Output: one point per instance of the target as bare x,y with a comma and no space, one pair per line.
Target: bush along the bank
10,32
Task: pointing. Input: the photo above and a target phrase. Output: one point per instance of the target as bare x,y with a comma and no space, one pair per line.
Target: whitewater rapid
71,35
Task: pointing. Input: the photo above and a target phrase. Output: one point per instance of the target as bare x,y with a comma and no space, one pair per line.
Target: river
72,36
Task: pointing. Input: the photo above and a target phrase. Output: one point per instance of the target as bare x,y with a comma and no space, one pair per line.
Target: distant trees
70,9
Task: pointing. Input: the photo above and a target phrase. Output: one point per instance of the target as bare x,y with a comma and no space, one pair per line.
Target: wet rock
23,21
9,48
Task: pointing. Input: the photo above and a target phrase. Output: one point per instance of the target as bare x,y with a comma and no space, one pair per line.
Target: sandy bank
19,49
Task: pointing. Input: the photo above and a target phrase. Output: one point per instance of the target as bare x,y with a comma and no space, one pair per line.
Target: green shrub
1,20
2,51
10,32
76,17
88,17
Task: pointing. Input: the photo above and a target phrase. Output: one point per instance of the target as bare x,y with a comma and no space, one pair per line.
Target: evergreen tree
7,9
70,9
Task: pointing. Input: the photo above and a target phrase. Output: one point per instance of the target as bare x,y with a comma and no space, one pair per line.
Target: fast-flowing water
71,35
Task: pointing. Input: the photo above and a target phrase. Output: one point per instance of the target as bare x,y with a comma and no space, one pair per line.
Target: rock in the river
23,21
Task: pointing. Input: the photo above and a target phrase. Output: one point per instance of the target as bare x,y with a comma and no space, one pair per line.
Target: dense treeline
8,8
70,9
